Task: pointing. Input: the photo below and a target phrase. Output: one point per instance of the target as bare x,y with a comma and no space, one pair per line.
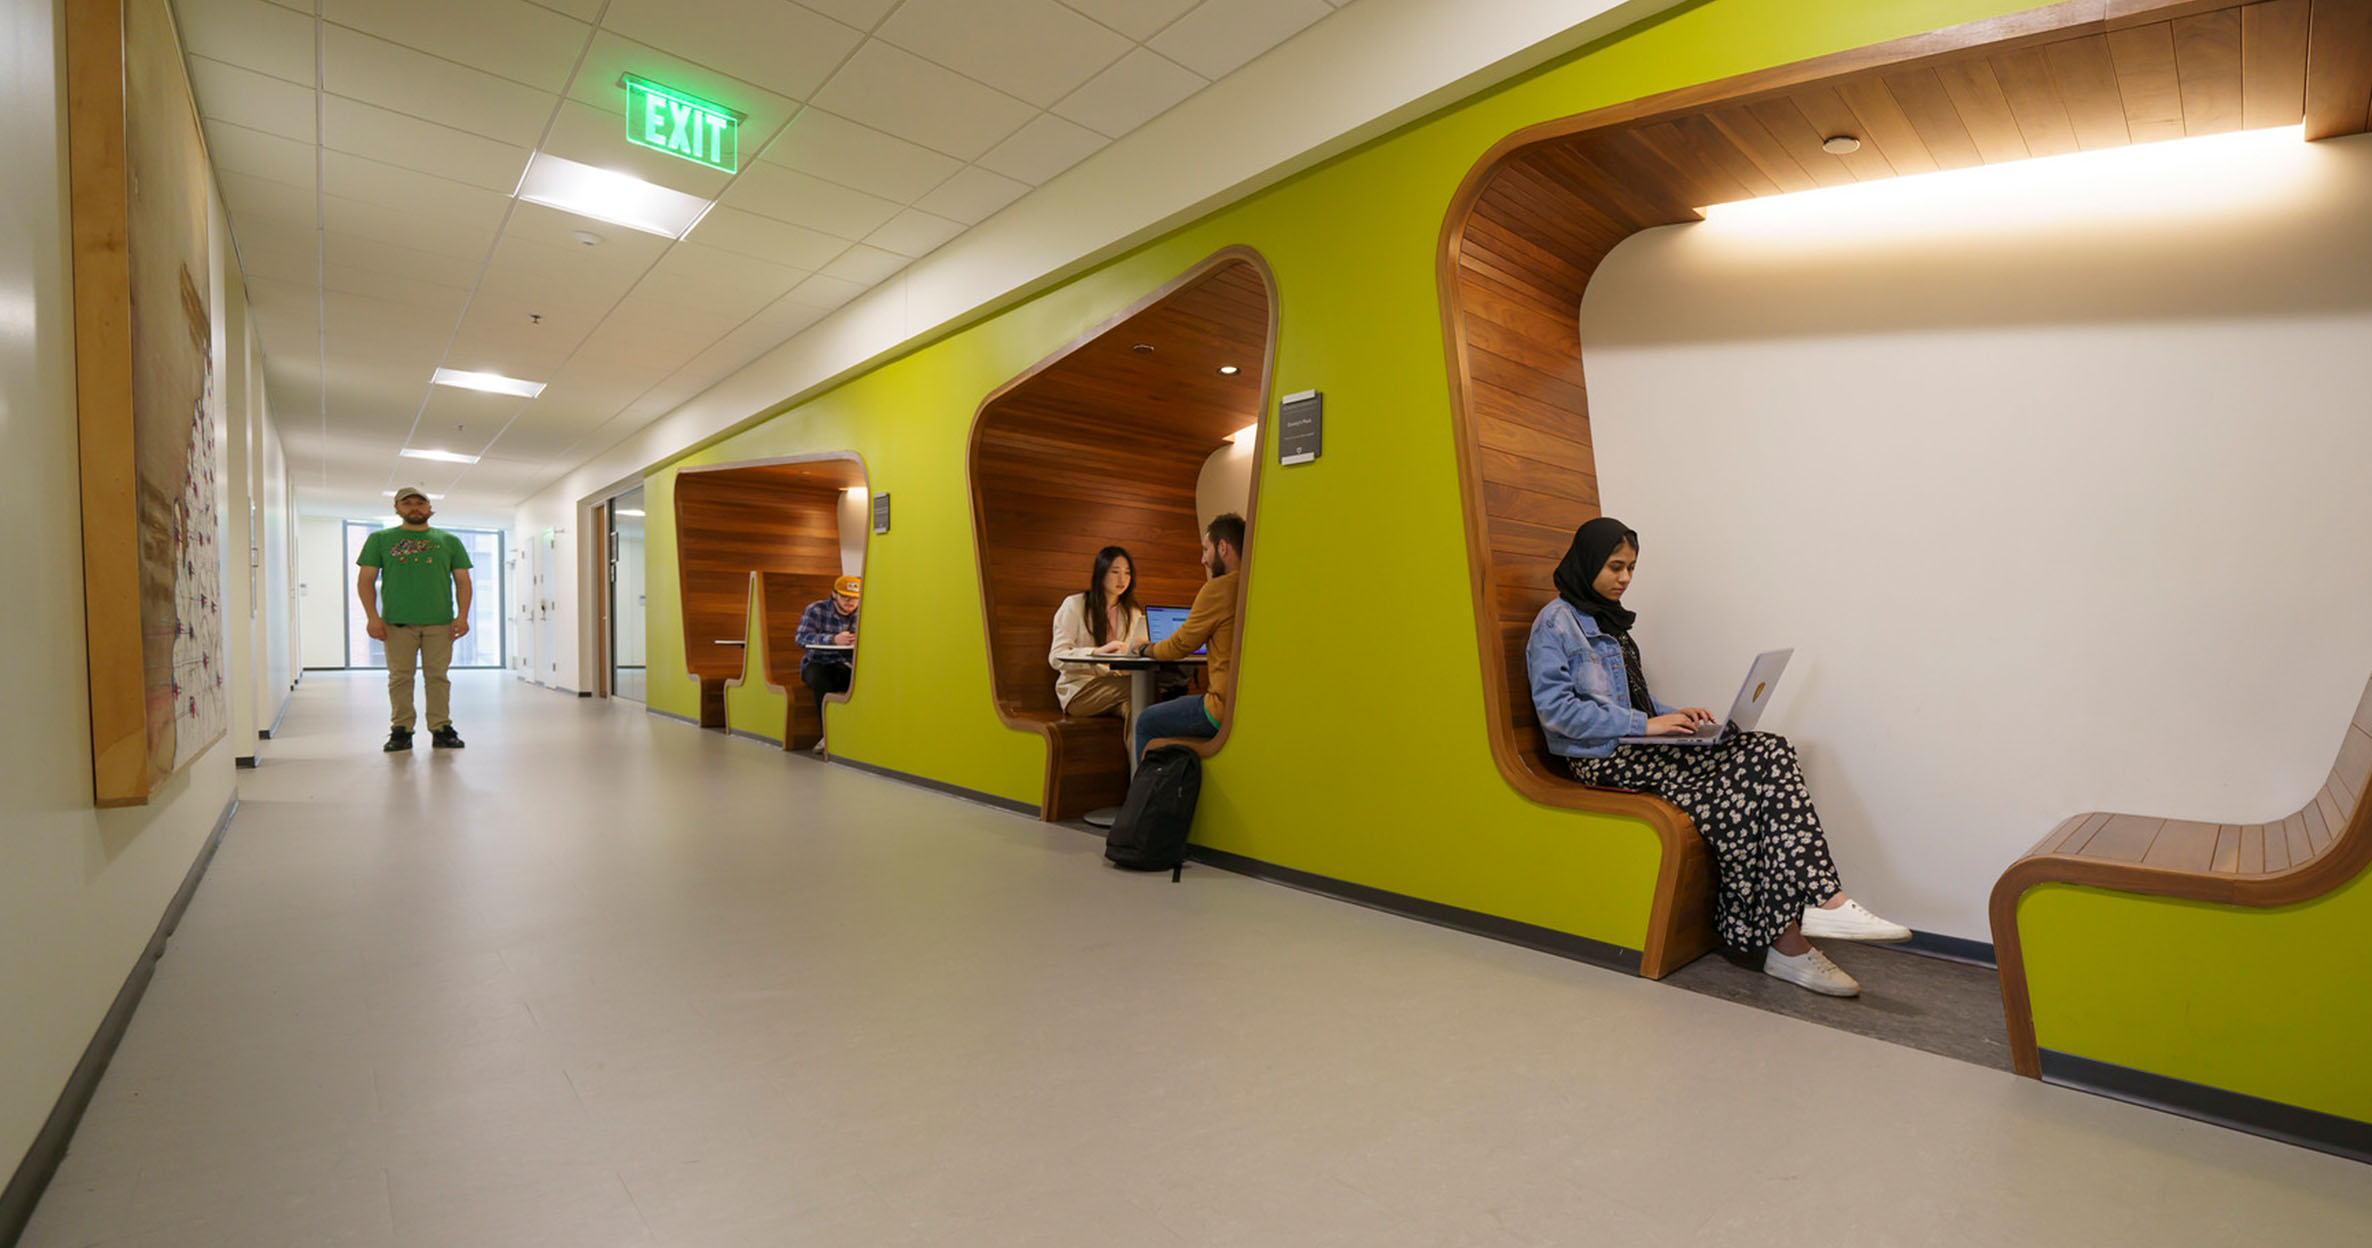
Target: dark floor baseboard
584,693
268,733
2291,1124
41,1161
746,735
1544,939
244,762
939,786
1950,948
681,719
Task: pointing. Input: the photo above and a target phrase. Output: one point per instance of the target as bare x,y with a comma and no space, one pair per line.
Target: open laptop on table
1160,622
1744,714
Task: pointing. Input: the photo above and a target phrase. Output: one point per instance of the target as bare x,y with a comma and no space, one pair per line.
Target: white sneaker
1851,922
818,750
1811,969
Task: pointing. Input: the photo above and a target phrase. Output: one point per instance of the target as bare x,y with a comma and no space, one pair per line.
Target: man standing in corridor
425,571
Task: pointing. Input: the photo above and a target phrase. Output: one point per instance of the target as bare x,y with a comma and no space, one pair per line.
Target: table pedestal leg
1140,696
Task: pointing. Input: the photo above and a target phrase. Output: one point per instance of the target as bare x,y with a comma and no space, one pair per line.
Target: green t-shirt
416,569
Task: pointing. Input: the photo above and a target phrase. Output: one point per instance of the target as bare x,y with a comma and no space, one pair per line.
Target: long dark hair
1096,606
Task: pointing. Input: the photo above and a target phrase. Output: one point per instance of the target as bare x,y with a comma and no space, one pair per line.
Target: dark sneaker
445,738
398,740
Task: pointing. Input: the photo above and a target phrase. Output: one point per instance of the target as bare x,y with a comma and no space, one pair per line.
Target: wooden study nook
758,540
1100,444
1540,211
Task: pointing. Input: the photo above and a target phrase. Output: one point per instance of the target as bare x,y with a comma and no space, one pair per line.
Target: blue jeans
1178,717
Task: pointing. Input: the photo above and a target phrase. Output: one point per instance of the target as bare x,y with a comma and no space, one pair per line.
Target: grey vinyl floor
604,979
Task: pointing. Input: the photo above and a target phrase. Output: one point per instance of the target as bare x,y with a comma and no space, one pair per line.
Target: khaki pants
1104,695
427,646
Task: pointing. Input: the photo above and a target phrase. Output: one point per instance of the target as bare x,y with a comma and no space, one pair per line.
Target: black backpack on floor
1150,834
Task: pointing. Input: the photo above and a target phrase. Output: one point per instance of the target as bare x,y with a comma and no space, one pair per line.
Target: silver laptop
1745,713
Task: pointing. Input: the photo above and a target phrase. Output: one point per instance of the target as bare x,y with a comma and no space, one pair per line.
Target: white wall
2059,499
276,670
1226,481
323,581
81,889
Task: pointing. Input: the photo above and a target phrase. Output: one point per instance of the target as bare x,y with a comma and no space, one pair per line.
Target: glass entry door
483,647
626,579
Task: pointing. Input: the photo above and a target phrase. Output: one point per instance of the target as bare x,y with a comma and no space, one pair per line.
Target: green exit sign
682,125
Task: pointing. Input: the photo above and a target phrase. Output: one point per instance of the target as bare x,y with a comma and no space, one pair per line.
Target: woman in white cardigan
1105,618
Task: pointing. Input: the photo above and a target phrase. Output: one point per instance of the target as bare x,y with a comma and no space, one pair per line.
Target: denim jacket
1579,686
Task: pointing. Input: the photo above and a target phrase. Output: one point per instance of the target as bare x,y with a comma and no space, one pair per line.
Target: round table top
1124,662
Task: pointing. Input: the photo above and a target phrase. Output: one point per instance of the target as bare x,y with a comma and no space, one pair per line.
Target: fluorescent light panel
434,498
607,195
447,457
491,383
625,512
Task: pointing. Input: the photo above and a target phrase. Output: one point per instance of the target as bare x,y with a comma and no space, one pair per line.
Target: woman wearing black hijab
1775,883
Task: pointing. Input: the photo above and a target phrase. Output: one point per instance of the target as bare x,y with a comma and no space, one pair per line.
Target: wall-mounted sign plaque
682,125
1301,427
881,513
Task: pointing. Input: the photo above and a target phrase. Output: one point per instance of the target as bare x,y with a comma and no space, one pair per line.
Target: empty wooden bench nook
1117,439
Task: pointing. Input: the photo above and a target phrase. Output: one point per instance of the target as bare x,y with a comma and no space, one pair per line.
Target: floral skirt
1748,800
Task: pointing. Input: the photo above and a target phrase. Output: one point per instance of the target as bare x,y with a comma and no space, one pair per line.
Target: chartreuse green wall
2274,1003
1358,749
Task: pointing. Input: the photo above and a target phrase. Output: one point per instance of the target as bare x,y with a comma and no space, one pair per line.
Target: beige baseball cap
411,491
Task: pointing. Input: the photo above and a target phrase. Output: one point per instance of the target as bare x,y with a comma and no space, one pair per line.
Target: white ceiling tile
1142,86
452,416
356,251
839,150
250,33
894,90
782,47
405,230
244,97
1036,50
862,14
1223,34
612,56
791,196
786,316
915,233
237,149
445,301
502,335
866,265
271,253
511,38
403,80
1042,149
589,136
368,130
693,274
1138,19
825,292
582,10
424,195
260,203
972,196
749,234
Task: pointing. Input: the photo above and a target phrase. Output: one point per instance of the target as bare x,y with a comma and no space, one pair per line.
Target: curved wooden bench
1100,444
1539,212
736,522
2325,843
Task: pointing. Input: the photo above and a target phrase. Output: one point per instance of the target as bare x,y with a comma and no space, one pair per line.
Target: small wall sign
682,125
881,513
1301,427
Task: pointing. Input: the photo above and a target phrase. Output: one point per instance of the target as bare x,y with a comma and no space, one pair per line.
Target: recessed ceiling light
607,195
450,457
1249,433
491,383
1228,370
628,512
1840,145
434,498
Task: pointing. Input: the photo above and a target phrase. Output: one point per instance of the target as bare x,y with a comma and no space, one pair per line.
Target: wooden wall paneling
2207,62
2338,68
1746,132
1794,132
1101,444
2149,80
2032,91
2273,63
1922,97
1984,109
1883,120
1824,108
2085,71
